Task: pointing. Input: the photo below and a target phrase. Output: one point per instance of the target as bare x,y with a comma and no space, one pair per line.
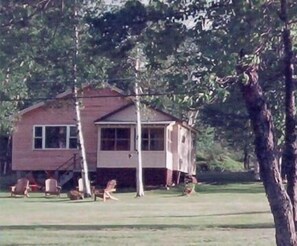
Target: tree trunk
246,158
139,173
81,143
265,149
289,159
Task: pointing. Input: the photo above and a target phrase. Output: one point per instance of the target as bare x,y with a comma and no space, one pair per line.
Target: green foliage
36,54
248,33
112,33
213,156
205,138
225,163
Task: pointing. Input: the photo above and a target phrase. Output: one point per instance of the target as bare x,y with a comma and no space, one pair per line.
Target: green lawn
232,214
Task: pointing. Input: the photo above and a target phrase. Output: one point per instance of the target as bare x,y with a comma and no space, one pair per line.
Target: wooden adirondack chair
80,187
106,193
190,185
21,188
52,187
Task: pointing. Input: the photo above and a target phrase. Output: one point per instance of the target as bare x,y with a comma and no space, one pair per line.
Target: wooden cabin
45,140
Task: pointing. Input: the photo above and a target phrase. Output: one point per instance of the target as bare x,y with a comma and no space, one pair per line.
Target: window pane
157,144
107,144
73,143
73,137
108,133
144,133
145,144
123,133
157,133
38,143
123,145
38,131
73,132
55,137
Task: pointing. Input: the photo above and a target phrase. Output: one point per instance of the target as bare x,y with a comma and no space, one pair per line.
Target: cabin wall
150,159
186,151
170,147
175,145
24,157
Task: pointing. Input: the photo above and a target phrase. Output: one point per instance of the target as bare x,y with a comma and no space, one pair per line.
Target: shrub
217,158
225,163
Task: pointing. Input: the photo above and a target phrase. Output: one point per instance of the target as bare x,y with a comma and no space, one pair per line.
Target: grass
229,214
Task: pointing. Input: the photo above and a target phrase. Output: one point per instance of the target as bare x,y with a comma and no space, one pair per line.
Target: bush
225,163
217,158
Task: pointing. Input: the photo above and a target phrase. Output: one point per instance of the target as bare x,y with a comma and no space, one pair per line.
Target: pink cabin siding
25,157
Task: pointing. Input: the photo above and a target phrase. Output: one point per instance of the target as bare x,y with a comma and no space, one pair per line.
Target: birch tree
139,170
81,142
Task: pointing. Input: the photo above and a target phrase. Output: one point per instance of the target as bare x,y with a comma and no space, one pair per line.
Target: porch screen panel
123,139
115,139
157,139
153,139
107,139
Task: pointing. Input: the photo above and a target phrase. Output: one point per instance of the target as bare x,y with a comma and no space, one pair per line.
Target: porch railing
66,169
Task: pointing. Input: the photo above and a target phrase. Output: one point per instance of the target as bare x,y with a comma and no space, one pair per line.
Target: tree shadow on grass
45,199
54,200
13,197
244,226
204,215
221,187
216,187
135,227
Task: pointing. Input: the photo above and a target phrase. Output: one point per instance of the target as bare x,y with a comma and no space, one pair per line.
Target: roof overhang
68,94
134,123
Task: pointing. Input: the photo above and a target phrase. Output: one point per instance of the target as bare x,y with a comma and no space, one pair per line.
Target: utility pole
139,181
81,143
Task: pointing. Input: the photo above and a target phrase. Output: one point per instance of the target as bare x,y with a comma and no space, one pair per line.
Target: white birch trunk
139,184
85,171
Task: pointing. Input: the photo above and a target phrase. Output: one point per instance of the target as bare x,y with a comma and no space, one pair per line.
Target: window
152,139
72,137
115,139
55,137
38,137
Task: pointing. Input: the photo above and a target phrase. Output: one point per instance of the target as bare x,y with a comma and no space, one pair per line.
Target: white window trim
43,136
